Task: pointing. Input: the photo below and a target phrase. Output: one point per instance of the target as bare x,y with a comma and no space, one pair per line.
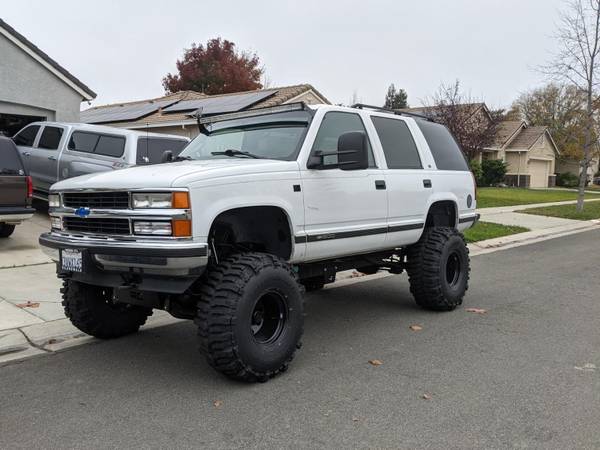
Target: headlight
152,200
56,223
176,200
54,201
152,228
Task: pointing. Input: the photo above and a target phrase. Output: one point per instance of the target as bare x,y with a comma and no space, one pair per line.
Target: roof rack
393,111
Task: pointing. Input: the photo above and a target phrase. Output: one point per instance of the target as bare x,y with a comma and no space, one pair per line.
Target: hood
174,174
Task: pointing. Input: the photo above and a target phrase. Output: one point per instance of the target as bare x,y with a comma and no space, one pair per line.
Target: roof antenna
201,127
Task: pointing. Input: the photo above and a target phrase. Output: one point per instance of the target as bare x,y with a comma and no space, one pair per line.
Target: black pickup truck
15,189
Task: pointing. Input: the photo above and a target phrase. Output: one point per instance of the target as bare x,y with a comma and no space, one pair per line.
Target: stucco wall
28,88
512,159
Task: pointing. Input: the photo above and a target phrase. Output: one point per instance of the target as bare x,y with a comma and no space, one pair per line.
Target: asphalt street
525,374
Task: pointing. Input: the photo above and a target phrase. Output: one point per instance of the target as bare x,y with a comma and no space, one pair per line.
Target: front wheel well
441,214
254,228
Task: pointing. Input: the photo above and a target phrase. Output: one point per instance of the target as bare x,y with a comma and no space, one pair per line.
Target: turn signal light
180,200
182,228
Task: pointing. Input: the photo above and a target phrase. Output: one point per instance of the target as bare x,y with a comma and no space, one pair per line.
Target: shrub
493,171
567,179
477,172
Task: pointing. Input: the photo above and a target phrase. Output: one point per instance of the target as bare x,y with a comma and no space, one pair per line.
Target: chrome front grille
96,200
97,225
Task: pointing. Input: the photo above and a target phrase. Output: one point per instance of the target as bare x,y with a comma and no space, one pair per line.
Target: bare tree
576,63
463,116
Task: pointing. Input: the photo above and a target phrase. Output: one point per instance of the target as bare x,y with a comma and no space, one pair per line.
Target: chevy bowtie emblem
82,212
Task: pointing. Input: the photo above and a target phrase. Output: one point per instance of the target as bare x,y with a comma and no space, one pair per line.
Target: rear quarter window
446,152
99,144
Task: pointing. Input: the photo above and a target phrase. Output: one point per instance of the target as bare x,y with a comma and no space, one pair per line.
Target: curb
19,344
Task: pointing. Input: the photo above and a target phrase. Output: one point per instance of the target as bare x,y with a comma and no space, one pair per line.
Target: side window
398,144
333,126
150,150
27,136
83,142
113,146
50,138
446,152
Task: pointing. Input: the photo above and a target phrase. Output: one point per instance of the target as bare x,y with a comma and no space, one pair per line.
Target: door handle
427,183
52,158
379,184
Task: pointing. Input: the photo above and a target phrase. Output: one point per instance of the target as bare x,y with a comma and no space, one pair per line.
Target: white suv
260,204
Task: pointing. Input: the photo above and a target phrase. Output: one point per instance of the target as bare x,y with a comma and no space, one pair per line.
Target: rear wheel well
441,214
254,228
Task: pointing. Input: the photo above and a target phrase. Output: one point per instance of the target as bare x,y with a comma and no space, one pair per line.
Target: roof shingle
527,137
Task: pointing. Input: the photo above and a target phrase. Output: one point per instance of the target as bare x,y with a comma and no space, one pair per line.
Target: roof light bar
254,112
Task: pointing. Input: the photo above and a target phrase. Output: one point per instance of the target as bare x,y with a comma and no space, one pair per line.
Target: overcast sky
122,49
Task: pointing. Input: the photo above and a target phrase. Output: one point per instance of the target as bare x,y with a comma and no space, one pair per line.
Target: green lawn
591,210
486,230
489,197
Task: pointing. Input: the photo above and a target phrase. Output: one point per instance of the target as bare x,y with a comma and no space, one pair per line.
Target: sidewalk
38,327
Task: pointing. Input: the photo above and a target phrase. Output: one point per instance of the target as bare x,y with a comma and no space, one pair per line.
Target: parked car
54,151
15,189
262,202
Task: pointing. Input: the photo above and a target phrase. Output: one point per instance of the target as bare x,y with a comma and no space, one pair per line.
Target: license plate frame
71,260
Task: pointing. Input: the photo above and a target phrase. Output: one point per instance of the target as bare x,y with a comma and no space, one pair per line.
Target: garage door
539,171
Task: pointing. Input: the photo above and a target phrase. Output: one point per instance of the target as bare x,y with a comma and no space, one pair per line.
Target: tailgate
13,190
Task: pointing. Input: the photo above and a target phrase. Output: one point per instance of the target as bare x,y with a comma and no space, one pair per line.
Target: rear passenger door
406,182
44,158
24,140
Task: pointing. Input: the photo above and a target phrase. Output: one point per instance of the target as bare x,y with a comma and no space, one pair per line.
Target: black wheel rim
268,317
453,269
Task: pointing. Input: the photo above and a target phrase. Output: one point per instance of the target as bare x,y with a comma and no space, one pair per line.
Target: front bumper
144,256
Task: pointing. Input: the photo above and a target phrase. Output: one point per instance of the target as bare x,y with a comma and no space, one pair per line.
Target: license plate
71,260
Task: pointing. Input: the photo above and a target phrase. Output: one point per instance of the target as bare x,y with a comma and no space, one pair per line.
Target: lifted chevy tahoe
261,205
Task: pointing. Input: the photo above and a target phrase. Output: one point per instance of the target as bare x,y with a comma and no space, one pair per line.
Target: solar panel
221,104
123,113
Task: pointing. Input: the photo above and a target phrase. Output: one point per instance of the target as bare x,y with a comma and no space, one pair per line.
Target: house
573,166
529,151
33,86
172,113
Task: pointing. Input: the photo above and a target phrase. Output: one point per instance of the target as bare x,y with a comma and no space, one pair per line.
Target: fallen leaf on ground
588,367
218,403
52,341
28,304
375,362
355,419
427,396
476,310
416,327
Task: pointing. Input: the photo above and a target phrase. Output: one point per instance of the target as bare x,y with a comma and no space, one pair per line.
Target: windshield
273,136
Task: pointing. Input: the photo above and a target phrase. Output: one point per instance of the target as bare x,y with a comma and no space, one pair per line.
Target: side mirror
352,151
166,157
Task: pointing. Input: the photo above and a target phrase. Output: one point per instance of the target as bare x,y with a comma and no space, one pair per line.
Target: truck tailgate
13,190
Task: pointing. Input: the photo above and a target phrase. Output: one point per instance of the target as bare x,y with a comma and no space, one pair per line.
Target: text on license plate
72,260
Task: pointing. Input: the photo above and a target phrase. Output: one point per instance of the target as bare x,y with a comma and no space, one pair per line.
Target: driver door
345,210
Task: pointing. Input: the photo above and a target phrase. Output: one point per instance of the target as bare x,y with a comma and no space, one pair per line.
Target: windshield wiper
232,153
